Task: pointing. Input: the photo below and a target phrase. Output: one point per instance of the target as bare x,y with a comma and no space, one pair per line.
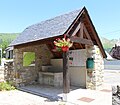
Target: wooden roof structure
77,25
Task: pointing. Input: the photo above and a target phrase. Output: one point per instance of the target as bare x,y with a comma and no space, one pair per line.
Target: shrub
6,86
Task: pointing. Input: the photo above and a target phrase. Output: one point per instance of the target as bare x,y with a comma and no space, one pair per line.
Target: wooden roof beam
86,32
76,29
81,40
80,33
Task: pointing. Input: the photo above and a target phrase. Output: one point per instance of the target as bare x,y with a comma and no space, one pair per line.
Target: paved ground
22,98
112,77
76,97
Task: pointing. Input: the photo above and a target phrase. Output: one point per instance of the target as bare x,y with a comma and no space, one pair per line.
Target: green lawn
28,58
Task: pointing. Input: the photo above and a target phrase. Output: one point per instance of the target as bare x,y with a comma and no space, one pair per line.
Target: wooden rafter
86,32
81,31
76,29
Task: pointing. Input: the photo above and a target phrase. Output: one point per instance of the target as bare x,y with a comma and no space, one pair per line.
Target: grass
28,58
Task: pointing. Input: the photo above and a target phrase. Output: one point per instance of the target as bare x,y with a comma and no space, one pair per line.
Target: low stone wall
9,72
1,74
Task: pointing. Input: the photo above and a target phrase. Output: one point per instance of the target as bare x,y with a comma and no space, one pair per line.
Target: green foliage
6,39
6,86
28,58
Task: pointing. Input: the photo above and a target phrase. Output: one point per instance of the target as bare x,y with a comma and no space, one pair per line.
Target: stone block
18,81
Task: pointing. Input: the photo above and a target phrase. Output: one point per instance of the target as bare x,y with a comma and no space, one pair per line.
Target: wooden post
66,80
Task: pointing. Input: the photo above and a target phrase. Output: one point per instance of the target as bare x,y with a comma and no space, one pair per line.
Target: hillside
108,44
6,39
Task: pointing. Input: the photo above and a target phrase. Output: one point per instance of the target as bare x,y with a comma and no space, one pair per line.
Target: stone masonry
94,78
29,74
9,72
53,79
1,74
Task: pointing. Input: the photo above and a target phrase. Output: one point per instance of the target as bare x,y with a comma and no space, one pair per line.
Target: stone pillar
94,77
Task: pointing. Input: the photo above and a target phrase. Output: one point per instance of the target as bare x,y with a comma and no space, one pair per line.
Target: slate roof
46,29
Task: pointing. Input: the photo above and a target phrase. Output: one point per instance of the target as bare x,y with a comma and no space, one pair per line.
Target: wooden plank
81,40
66,78
81,31
86,32
78,44
76,30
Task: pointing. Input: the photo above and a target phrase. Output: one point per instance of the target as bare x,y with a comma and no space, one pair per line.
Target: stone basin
54,70
53,78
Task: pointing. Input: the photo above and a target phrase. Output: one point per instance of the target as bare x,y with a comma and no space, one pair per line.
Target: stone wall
9,72
94,78
28,75
1,74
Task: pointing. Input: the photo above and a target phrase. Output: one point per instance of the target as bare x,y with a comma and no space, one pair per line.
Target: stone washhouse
46,66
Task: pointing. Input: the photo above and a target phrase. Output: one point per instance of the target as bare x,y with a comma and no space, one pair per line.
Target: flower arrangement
62,44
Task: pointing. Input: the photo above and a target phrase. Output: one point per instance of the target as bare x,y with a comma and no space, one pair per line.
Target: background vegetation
28,58
108,44
6,86
6,39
